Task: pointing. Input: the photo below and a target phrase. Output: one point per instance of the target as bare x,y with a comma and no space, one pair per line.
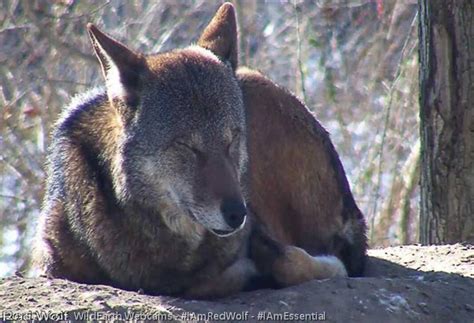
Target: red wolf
188,176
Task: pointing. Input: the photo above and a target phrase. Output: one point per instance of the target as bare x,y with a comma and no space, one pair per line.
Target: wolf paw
297,266
329,266
232,280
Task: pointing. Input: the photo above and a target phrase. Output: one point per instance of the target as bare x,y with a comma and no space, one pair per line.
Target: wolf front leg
290,265
232,280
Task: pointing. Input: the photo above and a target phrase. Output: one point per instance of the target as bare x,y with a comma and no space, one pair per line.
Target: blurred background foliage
354,63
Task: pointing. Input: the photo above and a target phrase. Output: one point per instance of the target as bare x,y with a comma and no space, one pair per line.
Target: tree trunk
447,120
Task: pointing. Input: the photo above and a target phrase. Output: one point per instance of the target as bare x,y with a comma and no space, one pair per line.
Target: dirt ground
403,284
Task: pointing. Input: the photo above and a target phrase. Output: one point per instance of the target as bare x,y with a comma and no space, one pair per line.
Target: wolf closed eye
184,146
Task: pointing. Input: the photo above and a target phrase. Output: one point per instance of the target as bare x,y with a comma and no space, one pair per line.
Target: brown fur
297,184
110,216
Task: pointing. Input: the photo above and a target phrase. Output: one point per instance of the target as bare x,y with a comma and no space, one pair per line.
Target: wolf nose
234,212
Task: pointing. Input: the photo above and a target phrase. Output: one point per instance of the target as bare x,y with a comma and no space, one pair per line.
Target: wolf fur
187,177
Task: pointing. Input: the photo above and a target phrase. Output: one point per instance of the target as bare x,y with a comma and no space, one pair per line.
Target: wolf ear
220,36
120,65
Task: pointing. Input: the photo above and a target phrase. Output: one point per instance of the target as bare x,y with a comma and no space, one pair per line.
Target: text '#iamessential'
290,316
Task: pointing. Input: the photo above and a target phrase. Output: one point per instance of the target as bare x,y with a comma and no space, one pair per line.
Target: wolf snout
234,212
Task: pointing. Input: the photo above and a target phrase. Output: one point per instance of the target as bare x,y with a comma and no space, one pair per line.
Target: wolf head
183,149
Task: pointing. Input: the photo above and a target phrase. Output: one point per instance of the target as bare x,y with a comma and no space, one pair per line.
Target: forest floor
402,284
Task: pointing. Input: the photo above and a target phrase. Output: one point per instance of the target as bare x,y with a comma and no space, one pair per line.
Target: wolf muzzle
234,212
